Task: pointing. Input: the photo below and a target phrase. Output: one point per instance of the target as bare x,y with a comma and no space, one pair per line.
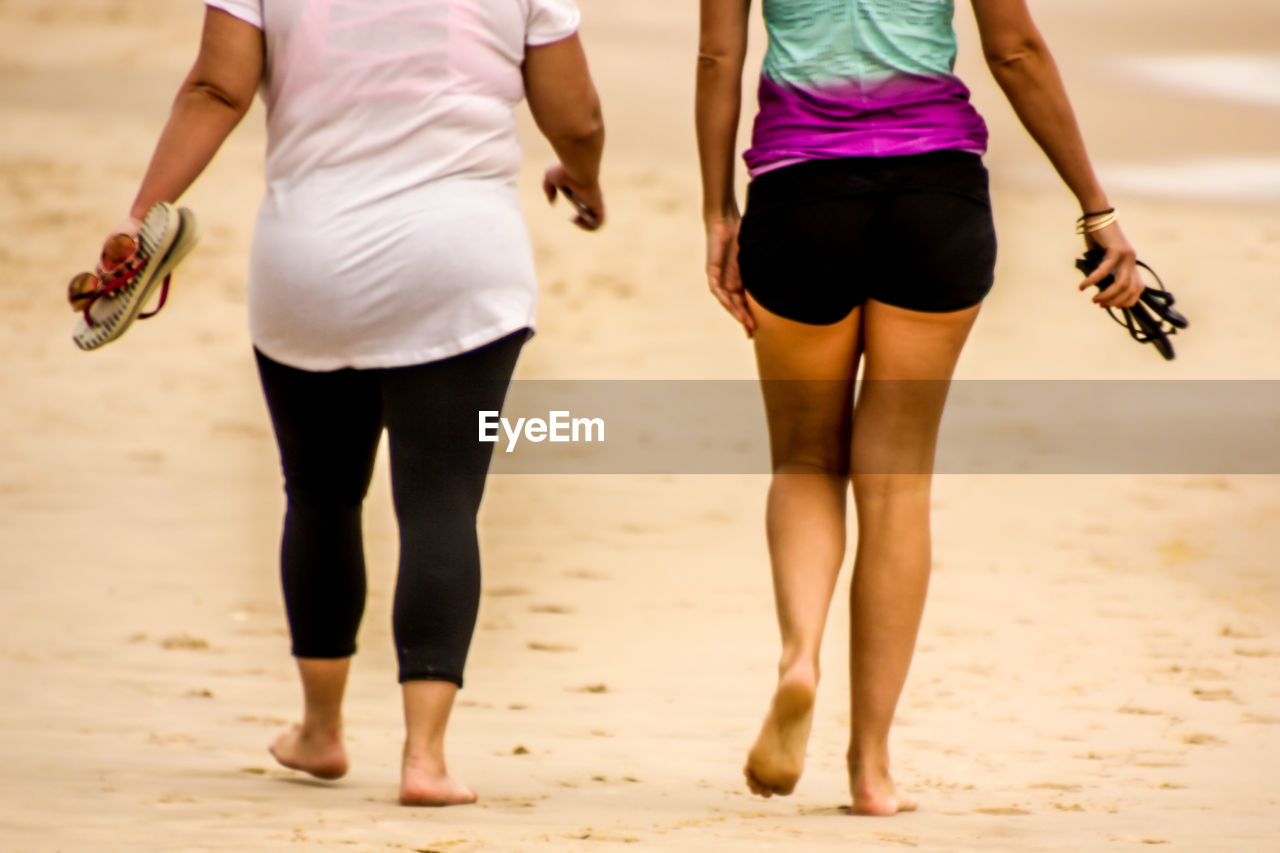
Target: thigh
432,410
910,358
327,427
806,378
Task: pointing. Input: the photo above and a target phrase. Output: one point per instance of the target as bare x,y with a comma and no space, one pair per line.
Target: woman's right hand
723,276
1122,260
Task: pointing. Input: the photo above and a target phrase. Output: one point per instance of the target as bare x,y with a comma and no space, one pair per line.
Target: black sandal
1143,328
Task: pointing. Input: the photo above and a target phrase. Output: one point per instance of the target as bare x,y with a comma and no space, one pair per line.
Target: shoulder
249,11
550,20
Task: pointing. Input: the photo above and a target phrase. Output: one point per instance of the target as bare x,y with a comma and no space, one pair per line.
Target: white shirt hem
372,361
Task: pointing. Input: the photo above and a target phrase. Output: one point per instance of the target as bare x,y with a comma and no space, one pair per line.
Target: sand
1100,663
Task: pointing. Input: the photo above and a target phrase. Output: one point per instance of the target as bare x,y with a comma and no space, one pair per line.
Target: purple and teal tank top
857,78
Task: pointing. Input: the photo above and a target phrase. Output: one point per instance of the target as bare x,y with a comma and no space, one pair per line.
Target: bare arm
1020,61
213,99
722,51
566,109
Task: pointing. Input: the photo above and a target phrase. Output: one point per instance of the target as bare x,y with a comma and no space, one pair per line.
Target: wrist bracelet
1099,213
1090,227
1092,222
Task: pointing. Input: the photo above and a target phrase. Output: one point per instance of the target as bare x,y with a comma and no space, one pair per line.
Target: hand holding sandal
130,270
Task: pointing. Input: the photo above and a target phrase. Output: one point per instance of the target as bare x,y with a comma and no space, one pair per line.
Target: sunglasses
117,266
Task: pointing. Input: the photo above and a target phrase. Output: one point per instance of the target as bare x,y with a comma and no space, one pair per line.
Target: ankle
322,726
425,755
868,763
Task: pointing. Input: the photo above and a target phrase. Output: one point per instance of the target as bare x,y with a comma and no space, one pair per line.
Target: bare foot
424,782
319,753
880,797
776,761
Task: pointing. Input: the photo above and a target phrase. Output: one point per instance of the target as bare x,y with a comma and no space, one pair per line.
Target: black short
821,237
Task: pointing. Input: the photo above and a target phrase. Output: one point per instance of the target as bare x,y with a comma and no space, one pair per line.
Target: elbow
714,60
210,92
708,61
586,129
1013,56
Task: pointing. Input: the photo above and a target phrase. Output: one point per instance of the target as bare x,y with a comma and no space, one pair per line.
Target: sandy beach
1099,667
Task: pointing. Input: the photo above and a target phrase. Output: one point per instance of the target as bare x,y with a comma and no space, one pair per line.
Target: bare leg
910,359
315,746
807,377
424,779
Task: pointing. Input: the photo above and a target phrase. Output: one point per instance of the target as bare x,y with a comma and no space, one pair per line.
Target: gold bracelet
1089,226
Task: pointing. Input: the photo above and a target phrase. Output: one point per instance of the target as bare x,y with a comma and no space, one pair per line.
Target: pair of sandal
130,270
1143,328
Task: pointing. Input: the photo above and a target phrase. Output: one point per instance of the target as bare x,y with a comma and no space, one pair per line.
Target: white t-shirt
391,232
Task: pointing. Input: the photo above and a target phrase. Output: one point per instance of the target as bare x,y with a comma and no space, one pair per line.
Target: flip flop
1142,327
112,299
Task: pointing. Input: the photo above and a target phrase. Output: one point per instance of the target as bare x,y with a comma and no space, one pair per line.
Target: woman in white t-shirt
391,285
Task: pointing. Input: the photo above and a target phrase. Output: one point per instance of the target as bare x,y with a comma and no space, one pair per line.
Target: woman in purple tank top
867,242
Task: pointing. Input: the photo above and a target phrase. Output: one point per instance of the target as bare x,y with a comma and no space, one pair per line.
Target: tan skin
215,96
823,441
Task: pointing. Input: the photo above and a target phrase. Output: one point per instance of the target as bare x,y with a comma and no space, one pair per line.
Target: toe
756,786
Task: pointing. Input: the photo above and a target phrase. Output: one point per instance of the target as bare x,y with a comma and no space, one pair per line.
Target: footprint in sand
1003,810
550,608
590,688
893,838
506,591
1203,672
1265,719
1200,739
184,641
1214,695
1209,484
586,575
550,647
157,739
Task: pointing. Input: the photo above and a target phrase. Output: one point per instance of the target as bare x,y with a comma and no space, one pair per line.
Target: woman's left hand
723,276
1122,260
587,201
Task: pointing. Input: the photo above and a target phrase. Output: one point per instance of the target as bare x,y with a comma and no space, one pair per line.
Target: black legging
328,426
